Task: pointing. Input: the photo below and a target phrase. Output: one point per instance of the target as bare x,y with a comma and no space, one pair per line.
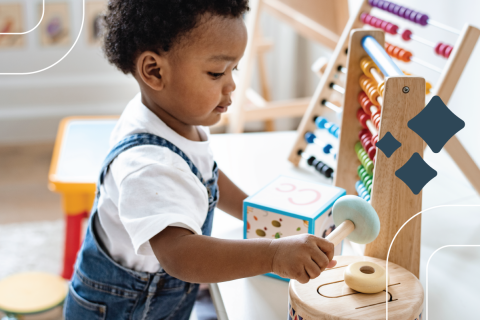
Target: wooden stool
329,298
31,292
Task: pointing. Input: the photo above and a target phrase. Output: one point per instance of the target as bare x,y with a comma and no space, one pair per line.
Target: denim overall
103,289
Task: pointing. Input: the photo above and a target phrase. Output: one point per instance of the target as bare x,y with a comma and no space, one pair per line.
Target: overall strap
140,139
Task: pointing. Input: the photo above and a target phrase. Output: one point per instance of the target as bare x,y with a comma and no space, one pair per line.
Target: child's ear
151,68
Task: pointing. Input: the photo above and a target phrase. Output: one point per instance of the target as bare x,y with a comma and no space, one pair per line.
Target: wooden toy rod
394,202
341,232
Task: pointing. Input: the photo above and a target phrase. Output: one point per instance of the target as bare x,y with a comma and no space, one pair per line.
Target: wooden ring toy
366,277
328,297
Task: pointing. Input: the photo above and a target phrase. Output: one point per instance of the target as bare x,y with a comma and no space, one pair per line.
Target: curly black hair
135,26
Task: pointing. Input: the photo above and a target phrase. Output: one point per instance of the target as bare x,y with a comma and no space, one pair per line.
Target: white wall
84,83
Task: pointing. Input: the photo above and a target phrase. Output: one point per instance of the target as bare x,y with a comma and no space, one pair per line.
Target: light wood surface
329,298
318,20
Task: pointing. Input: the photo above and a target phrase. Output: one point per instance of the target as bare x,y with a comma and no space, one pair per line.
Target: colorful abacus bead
365,102
370,87
443,49
320,167
412,15
397,52
362,117
312,138
379,23
366,64
366,141
323,123
363,157
376,119
367,179
375,139
362,191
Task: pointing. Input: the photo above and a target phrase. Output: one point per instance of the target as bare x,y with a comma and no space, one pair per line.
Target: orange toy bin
81,145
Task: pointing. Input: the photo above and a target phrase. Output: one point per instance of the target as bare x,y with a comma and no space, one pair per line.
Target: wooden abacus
457,56
403,98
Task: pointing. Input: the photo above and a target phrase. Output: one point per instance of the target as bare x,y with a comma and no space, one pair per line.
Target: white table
253,160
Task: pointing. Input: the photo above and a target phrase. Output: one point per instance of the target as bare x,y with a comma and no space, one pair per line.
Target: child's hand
302,257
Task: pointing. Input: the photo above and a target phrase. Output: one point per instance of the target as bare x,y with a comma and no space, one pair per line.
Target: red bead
440,48
448,51
371,152
375,139
362,133
406,34
384,24
391,28
363,17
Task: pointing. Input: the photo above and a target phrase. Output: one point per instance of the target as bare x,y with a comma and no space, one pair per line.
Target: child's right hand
302,257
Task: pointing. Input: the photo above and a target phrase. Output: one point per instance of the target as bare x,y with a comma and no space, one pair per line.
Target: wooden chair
318,20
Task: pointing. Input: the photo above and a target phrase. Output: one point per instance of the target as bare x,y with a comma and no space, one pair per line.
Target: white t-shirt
149,188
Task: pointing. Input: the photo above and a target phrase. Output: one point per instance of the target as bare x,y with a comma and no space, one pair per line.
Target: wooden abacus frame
319,20
394,202
443,88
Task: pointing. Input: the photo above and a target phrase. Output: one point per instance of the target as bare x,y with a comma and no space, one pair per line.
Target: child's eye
216,75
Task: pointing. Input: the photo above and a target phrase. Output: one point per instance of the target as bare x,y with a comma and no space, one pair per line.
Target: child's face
196,83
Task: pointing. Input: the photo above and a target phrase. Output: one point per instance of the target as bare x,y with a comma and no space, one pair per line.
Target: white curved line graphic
452,245
393,240
54,64
43,13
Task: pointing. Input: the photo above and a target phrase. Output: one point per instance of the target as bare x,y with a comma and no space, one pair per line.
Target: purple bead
401,12
385,5
375,3
422,19
413,16
370,2
380,4
407,13
391,7
396,9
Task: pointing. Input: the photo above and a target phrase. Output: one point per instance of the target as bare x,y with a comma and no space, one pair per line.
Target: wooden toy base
329,298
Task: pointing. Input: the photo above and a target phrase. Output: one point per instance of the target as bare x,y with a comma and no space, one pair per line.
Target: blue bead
320,122
309,137
327,148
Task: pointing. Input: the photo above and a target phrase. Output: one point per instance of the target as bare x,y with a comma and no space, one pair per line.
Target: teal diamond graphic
436,124
388,144
416,173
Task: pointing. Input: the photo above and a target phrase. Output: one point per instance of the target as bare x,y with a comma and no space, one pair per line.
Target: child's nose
230,86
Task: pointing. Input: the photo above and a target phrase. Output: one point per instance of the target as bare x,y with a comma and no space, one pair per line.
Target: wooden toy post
319,20
394,202
457,60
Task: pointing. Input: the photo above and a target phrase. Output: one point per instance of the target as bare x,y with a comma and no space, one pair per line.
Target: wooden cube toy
288,207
